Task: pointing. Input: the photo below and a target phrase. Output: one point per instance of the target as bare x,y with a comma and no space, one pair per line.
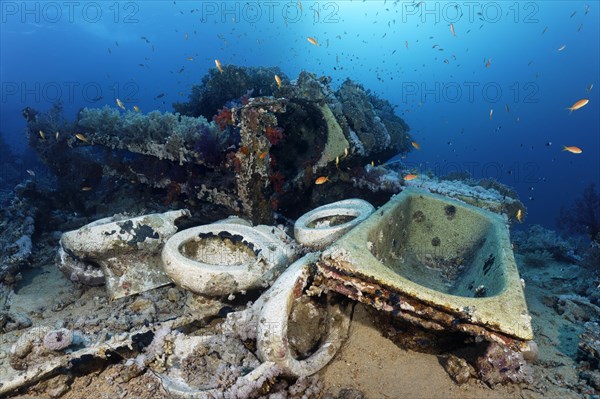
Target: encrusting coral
583,216
314,131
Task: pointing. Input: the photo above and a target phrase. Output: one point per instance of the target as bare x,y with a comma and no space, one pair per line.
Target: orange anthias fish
278,80
452,29
416,145
579,104
520,216
321,180
410,177
136,108
488,63
312,40
219,67
572,149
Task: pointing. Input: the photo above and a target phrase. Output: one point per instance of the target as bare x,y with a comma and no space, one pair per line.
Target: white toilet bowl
127,251
274,341
322,226
224,258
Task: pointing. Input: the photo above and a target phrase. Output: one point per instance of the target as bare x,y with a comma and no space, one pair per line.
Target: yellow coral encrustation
336,141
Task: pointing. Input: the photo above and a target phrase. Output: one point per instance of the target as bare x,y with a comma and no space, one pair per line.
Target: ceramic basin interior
444,253
442,246
218,250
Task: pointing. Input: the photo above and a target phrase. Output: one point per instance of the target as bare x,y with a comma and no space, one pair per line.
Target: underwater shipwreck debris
17,226
426,259
261,157
126,249
299,355
226,258
391,262
298,327
35,362
252,177
484,193
212,366
322,226
301,321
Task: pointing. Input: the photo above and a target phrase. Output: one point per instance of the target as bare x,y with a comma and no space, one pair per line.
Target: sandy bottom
374,365
368,362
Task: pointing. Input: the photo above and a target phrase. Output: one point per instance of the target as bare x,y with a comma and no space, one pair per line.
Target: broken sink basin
435,262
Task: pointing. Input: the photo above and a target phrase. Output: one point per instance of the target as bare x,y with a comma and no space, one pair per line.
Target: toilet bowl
320,227
79,271
224,258
125,251
285,330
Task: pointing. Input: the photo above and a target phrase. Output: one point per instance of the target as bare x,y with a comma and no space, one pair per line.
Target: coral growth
58,340
583,216
173,191
274,134
591,257
216,89
223,118
277,180
379,130
305,131
17,225
501,365
589,353
211,144
541,246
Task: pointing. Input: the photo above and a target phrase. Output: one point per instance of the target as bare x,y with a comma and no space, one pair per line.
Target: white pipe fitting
274,344
223,258
322,226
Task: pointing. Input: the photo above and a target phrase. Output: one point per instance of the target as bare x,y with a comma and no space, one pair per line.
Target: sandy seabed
368,363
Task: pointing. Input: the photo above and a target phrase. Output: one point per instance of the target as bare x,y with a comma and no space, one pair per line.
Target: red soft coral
274,134
223,118
173,192
277,181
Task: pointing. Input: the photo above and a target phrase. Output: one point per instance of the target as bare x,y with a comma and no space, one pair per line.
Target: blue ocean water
150,53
